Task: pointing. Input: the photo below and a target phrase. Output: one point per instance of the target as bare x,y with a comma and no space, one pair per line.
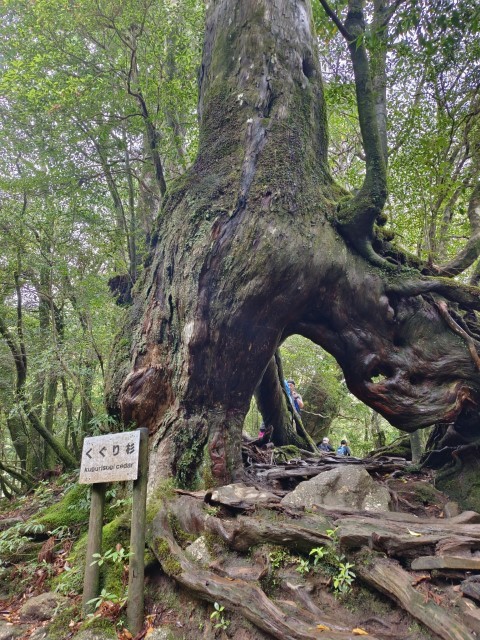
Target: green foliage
351,419
105,596
278,557
342,582
78,198
116,537
220,622
15,539
303,566
324,558
115,556
335,564
75,206
318,553
332,534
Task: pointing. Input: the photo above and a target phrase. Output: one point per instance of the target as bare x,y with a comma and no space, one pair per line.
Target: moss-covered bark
245,254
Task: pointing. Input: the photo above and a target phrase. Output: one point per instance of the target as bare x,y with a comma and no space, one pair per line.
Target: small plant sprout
317,554
278,558
303,566
332,534
217,617
342,582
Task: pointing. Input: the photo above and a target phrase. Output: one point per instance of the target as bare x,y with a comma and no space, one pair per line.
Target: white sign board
110,458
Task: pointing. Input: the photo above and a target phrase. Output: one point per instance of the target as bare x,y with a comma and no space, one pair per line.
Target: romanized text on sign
110,458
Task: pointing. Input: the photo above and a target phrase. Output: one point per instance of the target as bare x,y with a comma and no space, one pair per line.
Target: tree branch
335,19
466,296
443,311
16,474
356,216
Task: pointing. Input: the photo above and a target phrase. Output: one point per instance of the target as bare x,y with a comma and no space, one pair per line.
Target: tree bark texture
246,253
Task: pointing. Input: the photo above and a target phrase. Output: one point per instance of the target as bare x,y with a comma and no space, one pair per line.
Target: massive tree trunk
246,252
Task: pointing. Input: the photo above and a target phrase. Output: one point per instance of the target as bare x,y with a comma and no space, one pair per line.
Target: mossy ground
107,627
71,511
56,629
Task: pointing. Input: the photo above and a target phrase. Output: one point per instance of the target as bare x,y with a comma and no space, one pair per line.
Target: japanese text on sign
110,458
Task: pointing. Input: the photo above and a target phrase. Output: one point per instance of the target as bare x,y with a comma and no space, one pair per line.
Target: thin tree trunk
377,433
49,415
416,445
277,410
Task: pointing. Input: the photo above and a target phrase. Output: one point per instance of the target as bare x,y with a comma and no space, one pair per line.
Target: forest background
98,117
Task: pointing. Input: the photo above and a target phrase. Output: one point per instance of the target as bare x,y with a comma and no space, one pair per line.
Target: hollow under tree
256,242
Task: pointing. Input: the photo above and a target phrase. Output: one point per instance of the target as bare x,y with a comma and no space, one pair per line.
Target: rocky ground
310,549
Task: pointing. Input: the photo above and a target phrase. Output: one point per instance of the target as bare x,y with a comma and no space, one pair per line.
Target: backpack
342,450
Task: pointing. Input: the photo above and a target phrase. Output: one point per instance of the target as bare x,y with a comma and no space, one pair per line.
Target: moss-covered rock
462,483
170,564
112,575
96,628
56,629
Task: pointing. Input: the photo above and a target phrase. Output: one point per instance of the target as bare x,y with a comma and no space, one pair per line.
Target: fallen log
406,538
306,470
466,517
471,587
387,576
243,532
470,613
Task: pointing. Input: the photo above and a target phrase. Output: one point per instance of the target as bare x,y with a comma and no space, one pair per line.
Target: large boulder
42,607
9,631
347,486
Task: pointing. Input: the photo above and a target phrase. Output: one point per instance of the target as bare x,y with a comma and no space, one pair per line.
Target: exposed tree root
242,533
445,544
238,595
387,576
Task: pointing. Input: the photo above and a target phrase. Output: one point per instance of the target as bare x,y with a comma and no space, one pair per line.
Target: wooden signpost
111,458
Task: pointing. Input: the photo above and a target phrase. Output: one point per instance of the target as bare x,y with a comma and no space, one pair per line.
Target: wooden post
137,540
94,545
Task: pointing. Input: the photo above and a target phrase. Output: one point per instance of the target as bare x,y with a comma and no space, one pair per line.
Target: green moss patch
56,629
170,564
71,511
102,625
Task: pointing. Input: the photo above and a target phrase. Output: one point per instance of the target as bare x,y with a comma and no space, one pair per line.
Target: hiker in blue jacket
344,449
295,397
